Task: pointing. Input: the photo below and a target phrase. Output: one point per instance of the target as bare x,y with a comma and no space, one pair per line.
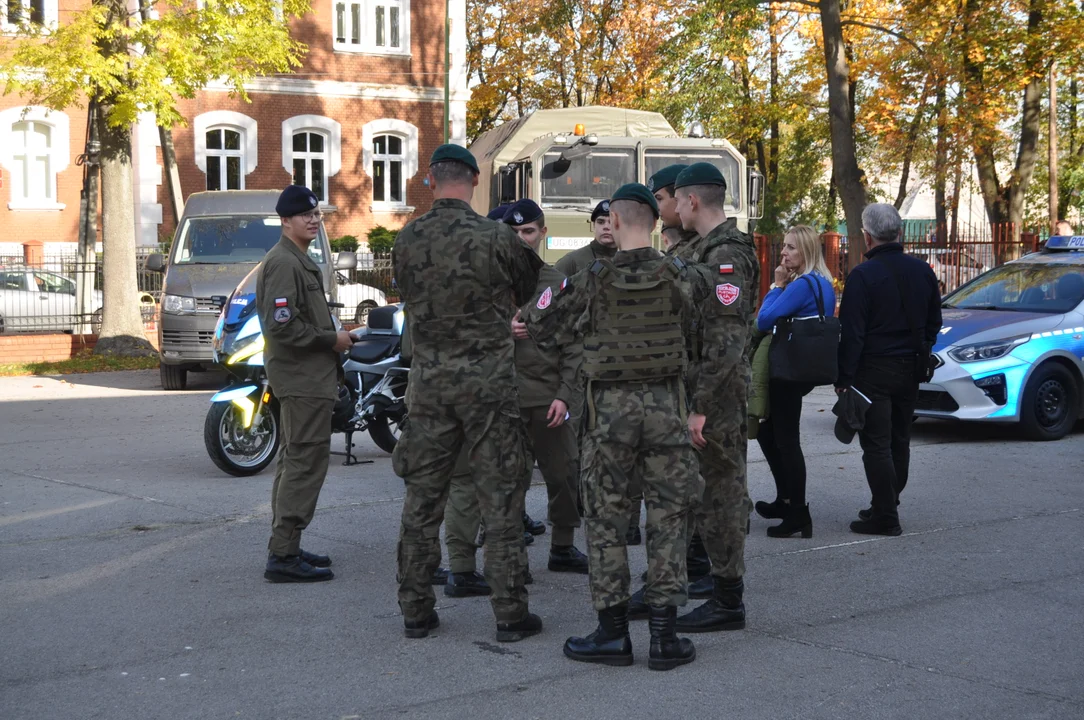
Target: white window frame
365,31
224,154
409,135
332,132
227,120
59,155
50,15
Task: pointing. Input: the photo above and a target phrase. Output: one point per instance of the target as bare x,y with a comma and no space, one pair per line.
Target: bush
381,240
346,243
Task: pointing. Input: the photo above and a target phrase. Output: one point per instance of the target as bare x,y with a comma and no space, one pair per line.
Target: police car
1011,347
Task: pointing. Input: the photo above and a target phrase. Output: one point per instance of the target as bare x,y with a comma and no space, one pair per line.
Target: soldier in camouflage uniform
680,243
456,272
602,246
726,262
632,312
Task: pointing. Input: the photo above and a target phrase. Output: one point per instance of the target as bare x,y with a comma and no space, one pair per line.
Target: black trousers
780,439
889,382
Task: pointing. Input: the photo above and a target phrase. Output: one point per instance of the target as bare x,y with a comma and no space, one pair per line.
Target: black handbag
805,350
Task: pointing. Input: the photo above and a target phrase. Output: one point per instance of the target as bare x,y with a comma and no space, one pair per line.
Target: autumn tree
126,62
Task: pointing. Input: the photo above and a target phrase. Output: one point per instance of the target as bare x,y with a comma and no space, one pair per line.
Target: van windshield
232,239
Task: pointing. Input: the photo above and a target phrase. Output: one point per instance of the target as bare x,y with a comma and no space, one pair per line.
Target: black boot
701,588
315,560
697,561
439,577
530,625
724,611
293,569
609,644
417,629
567,559
467,584
797,520
534,527
774,510
667,649
877,526
638,608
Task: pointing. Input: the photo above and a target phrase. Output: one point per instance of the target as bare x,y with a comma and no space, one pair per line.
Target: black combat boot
417,629
530,625
316,560
567,558
609,644
638,607
667,649
534,527
797,520
466,584
701,588
293,569
697,561
724,611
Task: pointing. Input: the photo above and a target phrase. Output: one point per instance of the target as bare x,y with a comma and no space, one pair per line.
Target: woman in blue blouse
801,272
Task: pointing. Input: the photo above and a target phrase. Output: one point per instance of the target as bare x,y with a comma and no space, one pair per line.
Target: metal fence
63,293
369,285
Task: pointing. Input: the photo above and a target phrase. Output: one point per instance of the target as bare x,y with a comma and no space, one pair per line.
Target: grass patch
83,362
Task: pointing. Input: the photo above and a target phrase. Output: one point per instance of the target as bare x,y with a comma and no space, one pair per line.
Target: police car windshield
583,182
1023,287
231,239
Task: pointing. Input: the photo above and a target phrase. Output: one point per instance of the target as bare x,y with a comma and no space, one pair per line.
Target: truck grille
936,401
206,305
188,337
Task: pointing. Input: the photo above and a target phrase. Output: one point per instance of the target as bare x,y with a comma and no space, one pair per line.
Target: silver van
221,237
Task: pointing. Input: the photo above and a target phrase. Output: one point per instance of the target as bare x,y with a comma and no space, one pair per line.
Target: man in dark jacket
890,315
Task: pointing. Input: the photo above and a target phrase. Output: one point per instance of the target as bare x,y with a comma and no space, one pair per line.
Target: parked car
357,300
39,300
952,266
1011,347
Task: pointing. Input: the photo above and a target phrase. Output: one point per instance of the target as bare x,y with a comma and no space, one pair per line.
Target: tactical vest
635,328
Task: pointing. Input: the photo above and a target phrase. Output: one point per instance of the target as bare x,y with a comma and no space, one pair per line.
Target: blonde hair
808,243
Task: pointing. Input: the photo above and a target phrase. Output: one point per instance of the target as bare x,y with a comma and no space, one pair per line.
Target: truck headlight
176,304
988,350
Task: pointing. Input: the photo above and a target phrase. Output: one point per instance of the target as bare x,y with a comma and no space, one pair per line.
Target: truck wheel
235,449
1049,406
362,315
174,377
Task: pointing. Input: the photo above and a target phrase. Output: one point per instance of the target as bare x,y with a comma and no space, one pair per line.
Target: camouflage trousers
723,512
425,457
639,431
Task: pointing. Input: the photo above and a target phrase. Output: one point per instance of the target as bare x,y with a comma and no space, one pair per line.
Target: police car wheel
1050,404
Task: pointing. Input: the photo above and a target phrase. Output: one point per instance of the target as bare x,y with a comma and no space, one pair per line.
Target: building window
225,159
388,181
14,13
33,148
310,162
373,26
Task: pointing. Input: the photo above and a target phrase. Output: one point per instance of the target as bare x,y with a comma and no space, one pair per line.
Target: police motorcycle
242,429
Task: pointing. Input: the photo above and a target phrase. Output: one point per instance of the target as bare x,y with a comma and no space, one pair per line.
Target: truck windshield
586,181
656,159
232,239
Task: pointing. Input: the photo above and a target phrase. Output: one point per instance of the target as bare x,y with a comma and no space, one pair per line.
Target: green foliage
95,54
381,240
346,243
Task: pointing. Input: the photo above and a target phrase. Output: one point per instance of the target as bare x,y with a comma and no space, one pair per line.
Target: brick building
355,122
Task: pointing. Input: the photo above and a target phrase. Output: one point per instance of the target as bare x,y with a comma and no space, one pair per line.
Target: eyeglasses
315,215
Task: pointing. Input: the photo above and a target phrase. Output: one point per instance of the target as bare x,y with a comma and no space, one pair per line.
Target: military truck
568,160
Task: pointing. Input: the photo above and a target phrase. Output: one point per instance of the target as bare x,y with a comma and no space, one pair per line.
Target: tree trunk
848,177
1072,115
940,166
957,183
1052,149
772,172
122,324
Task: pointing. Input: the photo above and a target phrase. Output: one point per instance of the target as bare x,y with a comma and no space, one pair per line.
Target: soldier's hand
343,341
696,429
557,413
519,328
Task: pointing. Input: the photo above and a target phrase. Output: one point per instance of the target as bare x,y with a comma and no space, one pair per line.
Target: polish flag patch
545,300
281,302
564,284
727,293
727,269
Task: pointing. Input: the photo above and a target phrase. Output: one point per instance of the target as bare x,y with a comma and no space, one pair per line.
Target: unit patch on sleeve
282,314
727,293
545,299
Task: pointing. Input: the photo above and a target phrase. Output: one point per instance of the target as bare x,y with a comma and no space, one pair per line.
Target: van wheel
361,317
174,377
1049,405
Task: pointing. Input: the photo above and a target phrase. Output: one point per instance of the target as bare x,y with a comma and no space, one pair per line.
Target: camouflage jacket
564,310
547,371
456,271
298,330
583,258
728,273
686,247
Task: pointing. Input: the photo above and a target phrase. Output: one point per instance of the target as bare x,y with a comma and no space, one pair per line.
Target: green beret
664,177
456,153
701,173
638,193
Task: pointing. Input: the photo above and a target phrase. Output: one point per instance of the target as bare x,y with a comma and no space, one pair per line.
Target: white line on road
26,516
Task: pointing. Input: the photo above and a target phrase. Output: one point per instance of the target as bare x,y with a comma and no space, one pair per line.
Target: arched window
225,159
389,181
33,148
312,152
310,162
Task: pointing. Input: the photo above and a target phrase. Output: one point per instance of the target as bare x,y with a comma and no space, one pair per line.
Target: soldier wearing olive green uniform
301,358
633,312
602,246
457,272
725,262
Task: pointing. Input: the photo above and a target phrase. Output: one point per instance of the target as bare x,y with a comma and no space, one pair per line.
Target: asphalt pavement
131,586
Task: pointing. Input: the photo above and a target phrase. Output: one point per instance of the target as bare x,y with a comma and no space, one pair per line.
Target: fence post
34,253
832,252
764,250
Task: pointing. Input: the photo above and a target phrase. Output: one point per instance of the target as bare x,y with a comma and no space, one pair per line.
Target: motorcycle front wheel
385,431
238,450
